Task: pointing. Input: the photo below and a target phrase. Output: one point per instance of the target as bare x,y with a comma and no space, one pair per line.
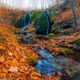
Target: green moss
76,42
52,35
2,39
14,21
65,51
32,61
53,45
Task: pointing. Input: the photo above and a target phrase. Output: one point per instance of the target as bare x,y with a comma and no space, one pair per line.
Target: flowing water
50,65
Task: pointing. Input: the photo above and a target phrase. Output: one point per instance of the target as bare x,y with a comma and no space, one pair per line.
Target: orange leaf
2,59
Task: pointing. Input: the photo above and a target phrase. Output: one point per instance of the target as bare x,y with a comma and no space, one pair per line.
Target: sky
30,4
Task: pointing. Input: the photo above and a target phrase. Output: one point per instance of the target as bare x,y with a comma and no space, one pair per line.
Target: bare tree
74,13
57,2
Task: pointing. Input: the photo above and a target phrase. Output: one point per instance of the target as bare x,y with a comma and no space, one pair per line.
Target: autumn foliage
16,58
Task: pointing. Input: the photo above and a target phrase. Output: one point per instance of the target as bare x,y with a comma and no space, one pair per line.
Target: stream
50,65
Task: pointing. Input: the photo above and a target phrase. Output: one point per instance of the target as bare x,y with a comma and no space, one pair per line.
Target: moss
65,51
32,61
17,37
53,45
14,21
2,39
76,42
52,35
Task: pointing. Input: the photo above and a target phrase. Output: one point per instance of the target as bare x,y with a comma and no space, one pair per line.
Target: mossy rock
52,35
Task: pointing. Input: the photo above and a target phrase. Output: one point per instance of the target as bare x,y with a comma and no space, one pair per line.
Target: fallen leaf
13,69
2,59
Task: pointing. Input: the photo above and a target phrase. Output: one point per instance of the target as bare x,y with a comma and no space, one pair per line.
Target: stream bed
50,65
60,65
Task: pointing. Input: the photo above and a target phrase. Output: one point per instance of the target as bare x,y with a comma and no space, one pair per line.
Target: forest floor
17,59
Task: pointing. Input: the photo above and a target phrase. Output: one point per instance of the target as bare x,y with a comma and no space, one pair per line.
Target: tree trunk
74,13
